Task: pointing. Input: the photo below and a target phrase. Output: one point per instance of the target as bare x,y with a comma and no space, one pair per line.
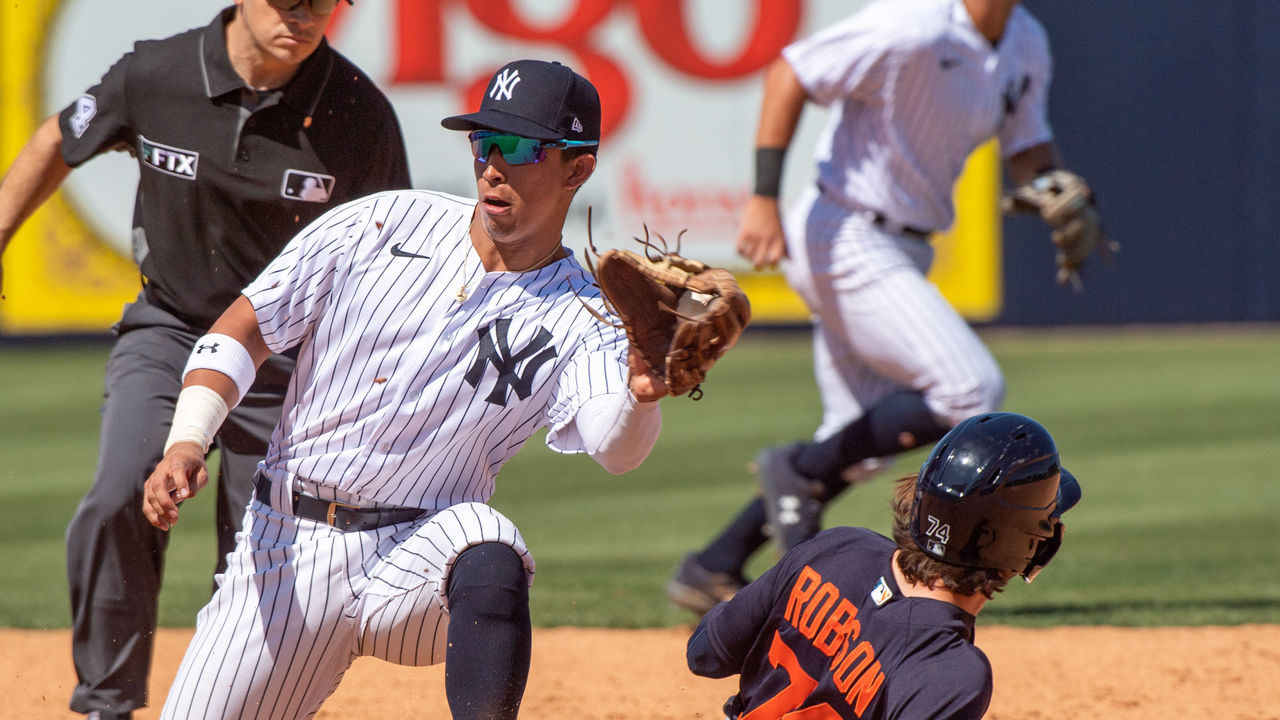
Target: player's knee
980,391
488,580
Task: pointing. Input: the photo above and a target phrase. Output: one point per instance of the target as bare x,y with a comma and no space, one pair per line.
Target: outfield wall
1171,109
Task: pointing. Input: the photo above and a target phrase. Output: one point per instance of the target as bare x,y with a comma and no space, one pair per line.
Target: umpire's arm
34,176
208,394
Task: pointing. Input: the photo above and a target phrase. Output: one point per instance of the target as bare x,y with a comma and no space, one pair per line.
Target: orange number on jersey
784,704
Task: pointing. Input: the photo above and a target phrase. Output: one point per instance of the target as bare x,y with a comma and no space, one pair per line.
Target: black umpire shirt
229,175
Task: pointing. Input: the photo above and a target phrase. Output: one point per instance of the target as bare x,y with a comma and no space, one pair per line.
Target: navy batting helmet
991,494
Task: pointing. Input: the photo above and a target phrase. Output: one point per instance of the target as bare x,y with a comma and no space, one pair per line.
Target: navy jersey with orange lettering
828,628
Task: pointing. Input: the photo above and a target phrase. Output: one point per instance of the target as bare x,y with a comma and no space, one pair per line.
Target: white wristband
224,354
197,417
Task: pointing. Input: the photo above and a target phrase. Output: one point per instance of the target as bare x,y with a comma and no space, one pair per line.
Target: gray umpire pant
115,558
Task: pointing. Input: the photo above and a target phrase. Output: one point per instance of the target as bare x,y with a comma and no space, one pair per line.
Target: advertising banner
680,82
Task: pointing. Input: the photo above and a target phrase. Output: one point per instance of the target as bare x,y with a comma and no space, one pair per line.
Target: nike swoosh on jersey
395,250
948,63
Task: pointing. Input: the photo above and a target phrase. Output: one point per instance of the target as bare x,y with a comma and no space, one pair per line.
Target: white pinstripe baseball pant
300,601
880,325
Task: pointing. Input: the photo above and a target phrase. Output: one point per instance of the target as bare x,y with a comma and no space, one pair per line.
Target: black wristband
769,171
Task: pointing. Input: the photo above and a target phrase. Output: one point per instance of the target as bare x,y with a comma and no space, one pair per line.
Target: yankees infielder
244,131
855,625
437,334
912,87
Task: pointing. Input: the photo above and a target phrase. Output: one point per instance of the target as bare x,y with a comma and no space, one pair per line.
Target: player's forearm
219,372
240,321
780,111
1025,165
617,431
781,107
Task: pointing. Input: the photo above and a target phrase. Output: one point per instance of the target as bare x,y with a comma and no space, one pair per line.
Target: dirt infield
1230,673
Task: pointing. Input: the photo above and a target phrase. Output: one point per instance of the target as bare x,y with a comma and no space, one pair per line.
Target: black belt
883,223
335,514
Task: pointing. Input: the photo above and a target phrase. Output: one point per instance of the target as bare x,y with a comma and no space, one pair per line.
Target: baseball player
912,87
854,625
244,131
437,334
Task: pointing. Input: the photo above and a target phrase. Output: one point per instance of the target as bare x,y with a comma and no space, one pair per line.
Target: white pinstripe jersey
913,88
402,394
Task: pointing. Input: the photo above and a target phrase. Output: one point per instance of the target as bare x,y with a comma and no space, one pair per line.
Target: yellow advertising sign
58,275
967,266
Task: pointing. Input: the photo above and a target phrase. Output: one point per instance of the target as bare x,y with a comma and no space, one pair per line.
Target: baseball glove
1065,202
679,314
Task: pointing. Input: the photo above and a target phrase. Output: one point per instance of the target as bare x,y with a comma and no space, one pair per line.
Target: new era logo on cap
536,99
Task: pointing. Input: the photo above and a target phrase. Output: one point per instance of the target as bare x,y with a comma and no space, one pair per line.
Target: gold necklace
461,295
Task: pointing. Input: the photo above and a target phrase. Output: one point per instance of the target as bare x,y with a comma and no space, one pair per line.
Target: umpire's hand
179,476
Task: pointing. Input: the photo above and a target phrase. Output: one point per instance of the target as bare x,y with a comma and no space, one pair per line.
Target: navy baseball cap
536,99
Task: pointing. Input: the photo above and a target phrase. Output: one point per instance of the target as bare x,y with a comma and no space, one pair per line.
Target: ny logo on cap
503,84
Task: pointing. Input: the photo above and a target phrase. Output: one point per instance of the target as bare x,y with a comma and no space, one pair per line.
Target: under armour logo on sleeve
212,347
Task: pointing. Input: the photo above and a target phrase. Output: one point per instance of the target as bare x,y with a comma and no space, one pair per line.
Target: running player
230,123
913,87
437,334
855,625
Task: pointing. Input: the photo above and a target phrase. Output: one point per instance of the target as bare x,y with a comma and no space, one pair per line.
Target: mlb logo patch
86,108
307,186
881,593
169,160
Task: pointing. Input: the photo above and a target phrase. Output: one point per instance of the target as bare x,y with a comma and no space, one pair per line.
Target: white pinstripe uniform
912,88
403,396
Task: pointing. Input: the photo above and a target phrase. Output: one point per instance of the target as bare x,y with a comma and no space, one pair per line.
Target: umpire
244,131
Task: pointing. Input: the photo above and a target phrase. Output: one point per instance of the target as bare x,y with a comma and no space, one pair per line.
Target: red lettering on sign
421,54
664,205
663,25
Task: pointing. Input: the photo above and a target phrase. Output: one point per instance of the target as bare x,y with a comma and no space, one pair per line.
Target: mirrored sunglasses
318,7
515,149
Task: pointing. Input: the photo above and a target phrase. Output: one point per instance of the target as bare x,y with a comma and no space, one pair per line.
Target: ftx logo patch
307,187
169,160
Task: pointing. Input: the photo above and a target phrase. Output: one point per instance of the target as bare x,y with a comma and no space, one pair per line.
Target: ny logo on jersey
495,349
504,84
1013,93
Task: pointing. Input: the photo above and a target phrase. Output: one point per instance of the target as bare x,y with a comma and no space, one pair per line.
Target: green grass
1172,432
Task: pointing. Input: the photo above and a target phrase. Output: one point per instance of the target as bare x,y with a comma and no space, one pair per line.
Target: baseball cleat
696,588
791,500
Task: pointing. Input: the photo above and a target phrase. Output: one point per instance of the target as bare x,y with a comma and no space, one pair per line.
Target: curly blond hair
918,567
